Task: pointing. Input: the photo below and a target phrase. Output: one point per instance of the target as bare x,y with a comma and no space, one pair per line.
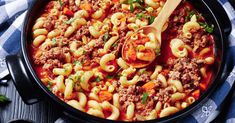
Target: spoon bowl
156,29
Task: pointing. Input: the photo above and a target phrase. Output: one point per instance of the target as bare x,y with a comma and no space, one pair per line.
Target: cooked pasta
77,48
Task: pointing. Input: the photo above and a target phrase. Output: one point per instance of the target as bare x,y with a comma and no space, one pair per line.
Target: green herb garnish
145,97
114,44
61,3
97,79
142,71
4,99
158,51
109,77
53,41
141,2
131,8
208,28
151,19
106,36
190,15
119,75
130,2
141,15
84,52
77,62
49,86
71,20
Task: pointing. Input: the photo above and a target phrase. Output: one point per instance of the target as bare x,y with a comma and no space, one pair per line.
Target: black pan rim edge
165,119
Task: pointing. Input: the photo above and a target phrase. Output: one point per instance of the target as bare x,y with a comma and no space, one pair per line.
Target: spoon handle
165,13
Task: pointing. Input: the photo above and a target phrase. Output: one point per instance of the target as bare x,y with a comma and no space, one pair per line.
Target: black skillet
32,90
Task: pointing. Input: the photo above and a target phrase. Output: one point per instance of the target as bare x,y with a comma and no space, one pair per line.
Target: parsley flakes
145,97
209,29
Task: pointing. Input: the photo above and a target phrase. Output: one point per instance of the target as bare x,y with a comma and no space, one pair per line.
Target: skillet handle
21,79
221,15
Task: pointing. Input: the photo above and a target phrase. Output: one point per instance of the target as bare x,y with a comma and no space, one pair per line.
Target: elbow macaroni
175,45
104,60
78,49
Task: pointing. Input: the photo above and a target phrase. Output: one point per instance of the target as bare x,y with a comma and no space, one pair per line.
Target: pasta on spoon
141,49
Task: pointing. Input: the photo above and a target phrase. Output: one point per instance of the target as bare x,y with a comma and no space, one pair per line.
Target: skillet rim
214,83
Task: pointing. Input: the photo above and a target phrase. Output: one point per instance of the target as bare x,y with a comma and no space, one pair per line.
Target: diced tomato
142,41
202,86
148,86
115,1
196,94
105,95
68,12
165,72
86,6
131,53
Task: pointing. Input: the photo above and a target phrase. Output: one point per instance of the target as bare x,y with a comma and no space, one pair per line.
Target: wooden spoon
156,29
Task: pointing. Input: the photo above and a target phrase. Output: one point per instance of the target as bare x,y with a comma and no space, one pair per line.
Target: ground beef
178,16
52,63
164,95
200,39
83,31
54,53
134,94
115,83
144,109
72,6
50,22
115,8
186,70
129,94
99,42
144,78
95,53
85,60
117,49
95,62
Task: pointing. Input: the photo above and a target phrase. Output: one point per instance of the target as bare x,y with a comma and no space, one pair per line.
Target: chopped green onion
151,19
53,41
77,62
142,71
84,52
141,2
131,7
109,77
129,1
141,7
49,87
114,44
119,75
106,36
158,51
97,79
141,15
145,97
70,21
208,28
190,15
61,3
125,2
